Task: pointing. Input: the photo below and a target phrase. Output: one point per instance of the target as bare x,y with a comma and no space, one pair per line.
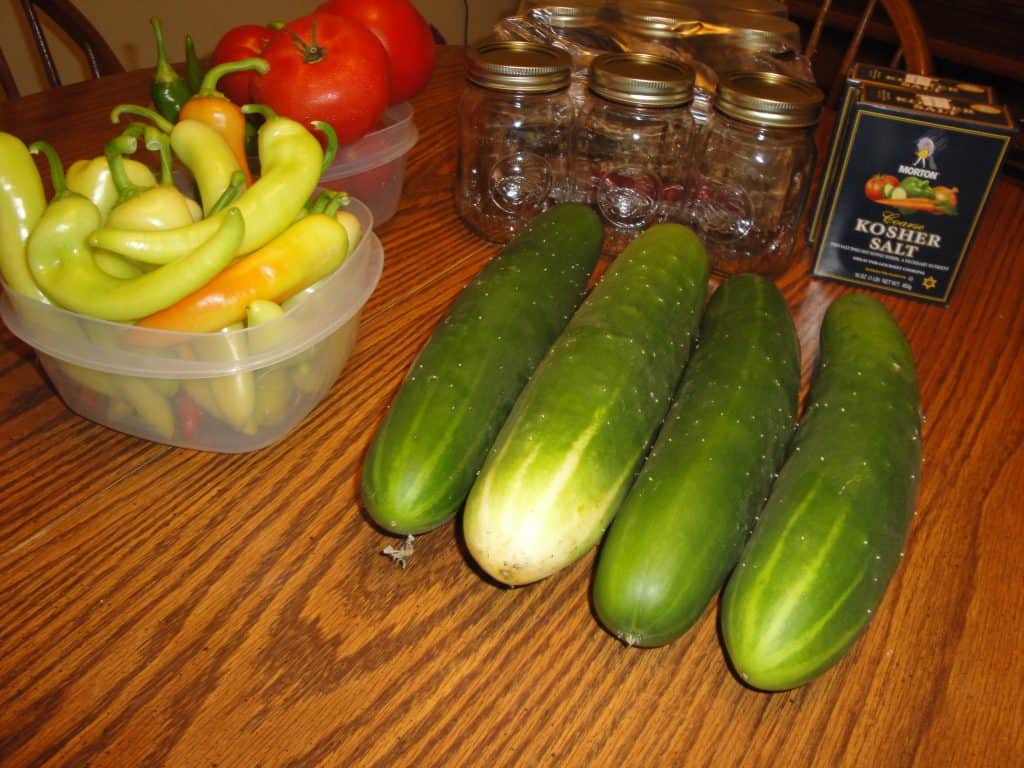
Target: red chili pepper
188,415
216,110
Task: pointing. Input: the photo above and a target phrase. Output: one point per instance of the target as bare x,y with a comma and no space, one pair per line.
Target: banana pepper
211,107
310,249
273,389
62,263
201,149
162,206
92,179
22,202
291,160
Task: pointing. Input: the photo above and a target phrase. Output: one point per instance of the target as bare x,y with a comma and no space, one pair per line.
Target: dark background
973,40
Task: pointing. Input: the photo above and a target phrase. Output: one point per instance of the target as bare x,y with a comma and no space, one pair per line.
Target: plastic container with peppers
61,261
256,371
292,162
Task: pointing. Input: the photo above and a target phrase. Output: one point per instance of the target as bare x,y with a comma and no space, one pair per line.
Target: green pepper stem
125,144
337,201
134,109
156,140
259,109
193,66
235,187
165,73
60,187
208,88
319,203
332,144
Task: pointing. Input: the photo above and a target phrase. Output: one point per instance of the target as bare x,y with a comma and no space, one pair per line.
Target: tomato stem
311,52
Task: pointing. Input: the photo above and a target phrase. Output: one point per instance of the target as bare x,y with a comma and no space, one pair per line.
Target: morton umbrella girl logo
927,146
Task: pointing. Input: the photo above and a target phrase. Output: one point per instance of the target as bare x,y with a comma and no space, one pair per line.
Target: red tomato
239,43
405,34
325,67
875,186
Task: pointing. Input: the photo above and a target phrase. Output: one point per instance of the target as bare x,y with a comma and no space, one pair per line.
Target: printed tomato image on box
914,176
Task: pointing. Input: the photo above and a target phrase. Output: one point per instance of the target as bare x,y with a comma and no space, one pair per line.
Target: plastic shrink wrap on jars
579,27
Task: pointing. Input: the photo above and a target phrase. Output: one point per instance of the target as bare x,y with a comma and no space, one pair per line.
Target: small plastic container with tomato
373,168
353,64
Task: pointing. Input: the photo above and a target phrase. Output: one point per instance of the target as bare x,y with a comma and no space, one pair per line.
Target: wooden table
160,606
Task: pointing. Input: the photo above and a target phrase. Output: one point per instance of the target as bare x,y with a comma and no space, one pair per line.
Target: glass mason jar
752,174
634,138
515,136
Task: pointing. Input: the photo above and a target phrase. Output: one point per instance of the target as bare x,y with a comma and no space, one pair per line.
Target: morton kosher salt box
859,74
912,175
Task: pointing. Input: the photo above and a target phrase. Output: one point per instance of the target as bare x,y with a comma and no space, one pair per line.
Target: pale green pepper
22,202
62,263
234,393
290,158
274,391
92,179
162,206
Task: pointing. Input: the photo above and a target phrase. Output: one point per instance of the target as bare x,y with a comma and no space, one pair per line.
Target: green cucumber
684,523
423,459
567,454
834,527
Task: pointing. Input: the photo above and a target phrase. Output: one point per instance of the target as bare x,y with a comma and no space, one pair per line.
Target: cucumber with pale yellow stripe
570,448
434,437
833,530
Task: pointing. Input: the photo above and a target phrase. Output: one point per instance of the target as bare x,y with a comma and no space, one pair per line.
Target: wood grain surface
160,606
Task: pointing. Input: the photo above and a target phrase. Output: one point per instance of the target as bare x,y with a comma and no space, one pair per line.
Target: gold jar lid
769,99
659,19
518,67
642,79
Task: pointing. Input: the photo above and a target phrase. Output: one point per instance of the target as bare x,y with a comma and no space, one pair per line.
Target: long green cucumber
834,527
423,459
684,523
566,456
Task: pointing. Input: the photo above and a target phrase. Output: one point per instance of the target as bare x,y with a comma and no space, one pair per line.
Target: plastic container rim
401,133
367,256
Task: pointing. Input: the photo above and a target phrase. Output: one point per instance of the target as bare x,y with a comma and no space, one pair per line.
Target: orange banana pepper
216,110
307,251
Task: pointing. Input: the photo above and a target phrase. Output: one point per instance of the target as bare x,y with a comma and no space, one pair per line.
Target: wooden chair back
913,54
99,56
7,84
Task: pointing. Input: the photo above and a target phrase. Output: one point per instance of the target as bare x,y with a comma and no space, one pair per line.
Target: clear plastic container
229,392
576,26
373,168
